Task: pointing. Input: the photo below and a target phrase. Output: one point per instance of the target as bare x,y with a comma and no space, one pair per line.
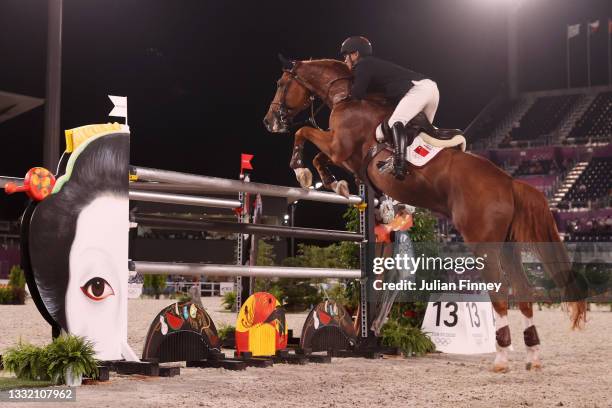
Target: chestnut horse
484,203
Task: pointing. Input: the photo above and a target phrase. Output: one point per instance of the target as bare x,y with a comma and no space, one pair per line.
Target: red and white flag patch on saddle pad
420,153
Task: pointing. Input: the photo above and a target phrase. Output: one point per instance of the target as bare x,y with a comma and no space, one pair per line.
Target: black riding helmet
356,43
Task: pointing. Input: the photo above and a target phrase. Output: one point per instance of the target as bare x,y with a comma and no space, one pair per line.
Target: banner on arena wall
134,290
226,287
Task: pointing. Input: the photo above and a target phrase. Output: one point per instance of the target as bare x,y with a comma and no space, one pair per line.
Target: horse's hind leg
302,173
493,273
530,335
484,236
523,294
321,163
502,336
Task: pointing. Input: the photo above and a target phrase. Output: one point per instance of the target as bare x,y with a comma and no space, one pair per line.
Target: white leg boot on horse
341,187
303,176
502,337
321,163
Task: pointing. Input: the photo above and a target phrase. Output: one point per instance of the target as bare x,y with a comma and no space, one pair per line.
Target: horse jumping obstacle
51,235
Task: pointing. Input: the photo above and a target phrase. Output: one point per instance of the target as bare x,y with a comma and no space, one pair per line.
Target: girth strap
363,171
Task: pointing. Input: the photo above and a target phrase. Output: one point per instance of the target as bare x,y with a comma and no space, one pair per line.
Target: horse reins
283,109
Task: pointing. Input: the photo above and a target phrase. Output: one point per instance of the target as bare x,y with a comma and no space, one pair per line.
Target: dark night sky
199,75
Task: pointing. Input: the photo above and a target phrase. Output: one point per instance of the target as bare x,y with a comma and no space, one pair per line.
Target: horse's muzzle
274,125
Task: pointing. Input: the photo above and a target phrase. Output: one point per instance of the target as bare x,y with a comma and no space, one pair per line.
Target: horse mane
339,69
333,65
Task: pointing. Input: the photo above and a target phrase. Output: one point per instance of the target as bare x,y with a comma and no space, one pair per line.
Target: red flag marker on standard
245,162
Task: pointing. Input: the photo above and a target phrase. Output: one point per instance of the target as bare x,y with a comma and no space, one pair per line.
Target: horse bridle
284,110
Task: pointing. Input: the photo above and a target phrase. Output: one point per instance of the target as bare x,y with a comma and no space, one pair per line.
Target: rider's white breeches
423,96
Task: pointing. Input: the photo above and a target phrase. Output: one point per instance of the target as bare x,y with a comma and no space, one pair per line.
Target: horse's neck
329,84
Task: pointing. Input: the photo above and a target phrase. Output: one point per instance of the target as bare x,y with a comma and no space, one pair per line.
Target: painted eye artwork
97,289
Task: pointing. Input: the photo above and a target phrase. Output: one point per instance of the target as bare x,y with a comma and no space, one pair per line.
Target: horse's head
292,96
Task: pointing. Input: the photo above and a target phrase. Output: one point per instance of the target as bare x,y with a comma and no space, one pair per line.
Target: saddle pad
457,140
420,153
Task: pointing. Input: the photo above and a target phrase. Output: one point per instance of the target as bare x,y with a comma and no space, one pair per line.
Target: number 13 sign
461,327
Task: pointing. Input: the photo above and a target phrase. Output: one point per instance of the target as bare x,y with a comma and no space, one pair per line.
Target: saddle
420,126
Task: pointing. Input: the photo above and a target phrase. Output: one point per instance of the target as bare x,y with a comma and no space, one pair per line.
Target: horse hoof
303,176
501,368
341,187
533,365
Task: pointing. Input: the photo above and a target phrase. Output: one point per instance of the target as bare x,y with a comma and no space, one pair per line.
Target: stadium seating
544,117
535,168
596,123
487,124
574,181
593,184
591,230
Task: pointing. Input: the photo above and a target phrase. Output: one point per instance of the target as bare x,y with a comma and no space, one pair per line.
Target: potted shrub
28,362
411,340
227,335
229,301
17,284
71,357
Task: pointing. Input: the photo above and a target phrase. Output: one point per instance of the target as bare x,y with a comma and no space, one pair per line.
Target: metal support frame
51,142
240,253
366,227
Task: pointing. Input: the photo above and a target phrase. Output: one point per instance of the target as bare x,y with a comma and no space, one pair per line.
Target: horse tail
534,224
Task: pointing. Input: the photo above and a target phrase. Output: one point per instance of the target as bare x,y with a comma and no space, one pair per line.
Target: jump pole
160,197
5,180
215,184
232,227
190,269
155,197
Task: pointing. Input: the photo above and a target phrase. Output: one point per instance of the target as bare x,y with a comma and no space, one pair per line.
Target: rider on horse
410,91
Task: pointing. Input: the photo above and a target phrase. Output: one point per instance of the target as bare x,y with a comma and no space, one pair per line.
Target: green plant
265,285
351,216
6,295
9,383
411,340
423,226
346,295
277,292
17,277
225,331
409,313
183,297
265,253
155,283
27,361
229,300
72,352
18,296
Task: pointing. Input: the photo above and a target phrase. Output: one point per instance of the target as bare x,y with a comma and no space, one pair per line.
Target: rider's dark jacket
374,75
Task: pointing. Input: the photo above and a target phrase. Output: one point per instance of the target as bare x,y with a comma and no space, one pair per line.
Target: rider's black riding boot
400,143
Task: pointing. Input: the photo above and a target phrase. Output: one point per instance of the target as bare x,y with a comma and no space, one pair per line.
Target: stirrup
386,167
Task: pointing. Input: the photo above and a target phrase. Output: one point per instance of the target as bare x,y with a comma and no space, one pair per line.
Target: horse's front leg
321,163
302,173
